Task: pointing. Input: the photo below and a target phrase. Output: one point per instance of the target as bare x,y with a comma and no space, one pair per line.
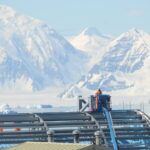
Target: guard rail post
76,134
98,140
50,134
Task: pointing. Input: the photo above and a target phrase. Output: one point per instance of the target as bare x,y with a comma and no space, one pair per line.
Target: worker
98,92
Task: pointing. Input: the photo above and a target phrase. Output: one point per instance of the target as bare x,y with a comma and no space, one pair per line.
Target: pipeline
112,131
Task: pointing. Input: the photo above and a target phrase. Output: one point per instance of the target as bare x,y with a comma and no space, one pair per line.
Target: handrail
144,116
83,108
42,121
45,126
112,131
99,127
80,104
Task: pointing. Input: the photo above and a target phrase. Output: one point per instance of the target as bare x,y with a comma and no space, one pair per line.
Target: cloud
135,12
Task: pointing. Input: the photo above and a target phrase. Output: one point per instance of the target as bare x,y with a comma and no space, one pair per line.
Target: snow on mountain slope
93,42
34,56
90,40
125,67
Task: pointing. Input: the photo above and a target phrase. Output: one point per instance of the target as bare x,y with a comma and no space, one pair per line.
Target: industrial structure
116,129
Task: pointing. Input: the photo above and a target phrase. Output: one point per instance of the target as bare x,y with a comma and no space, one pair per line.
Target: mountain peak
91,31
135,31
5,7
7,11
30,45
121,67
133,35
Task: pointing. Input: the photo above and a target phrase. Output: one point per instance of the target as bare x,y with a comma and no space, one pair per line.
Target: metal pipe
112,131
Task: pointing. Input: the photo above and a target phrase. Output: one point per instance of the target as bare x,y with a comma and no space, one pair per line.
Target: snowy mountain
33,55
124,67
93,42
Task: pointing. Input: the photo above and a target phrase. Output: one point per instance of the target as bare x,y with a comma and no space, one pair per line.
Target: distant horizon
71,17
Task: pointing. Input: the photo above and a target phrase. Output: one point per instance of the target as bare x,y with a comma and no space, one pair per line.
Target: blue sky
69,17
